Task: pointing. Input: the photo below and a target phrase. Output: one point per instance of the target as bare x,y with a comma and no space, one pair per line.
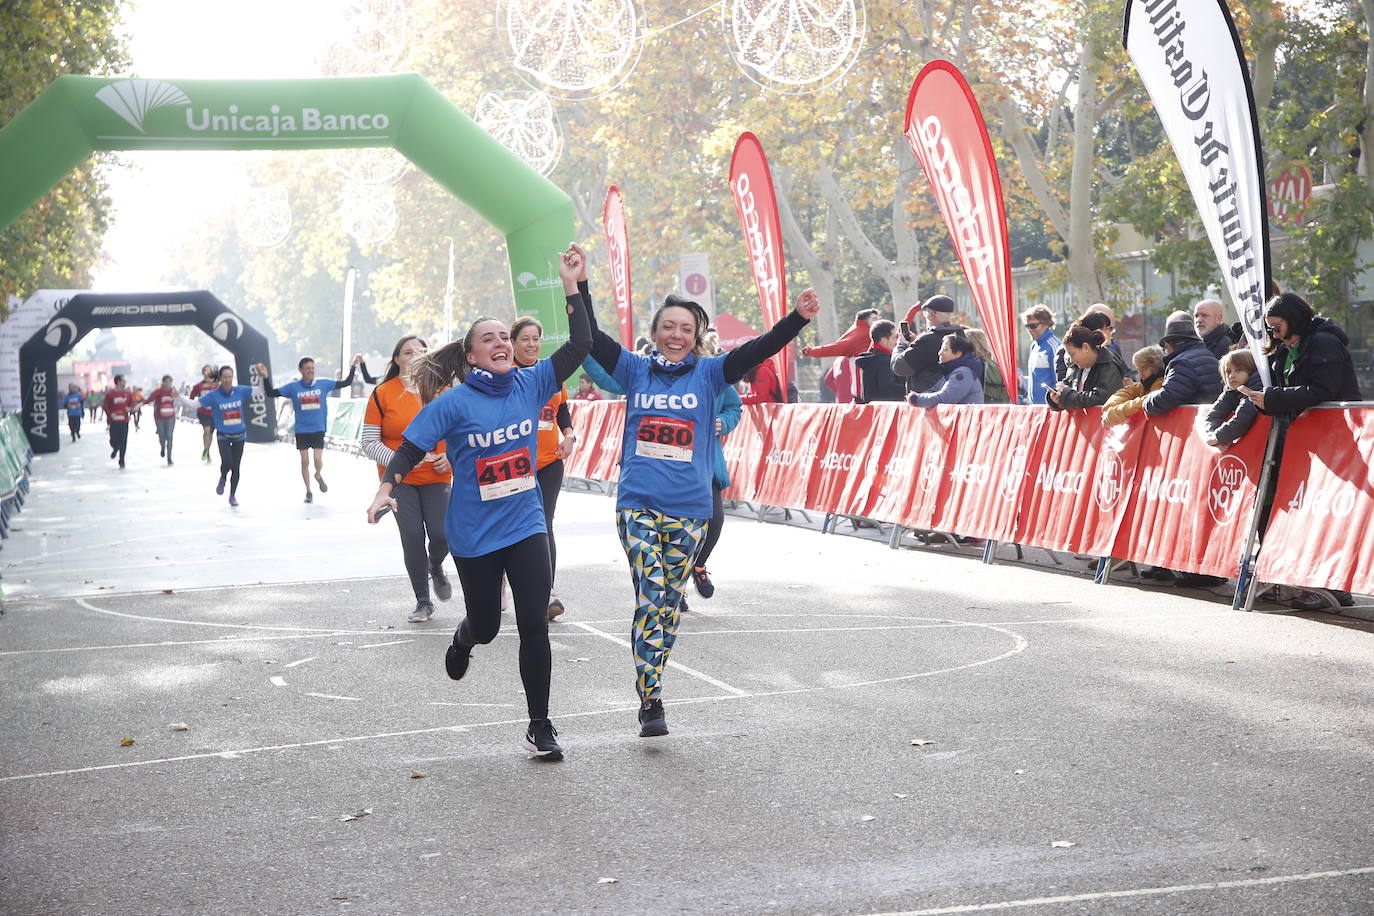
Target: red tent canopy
732,331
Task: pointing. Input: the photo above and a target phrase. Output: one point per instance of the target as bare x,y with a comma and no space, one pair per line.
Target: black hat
1182,329
938,304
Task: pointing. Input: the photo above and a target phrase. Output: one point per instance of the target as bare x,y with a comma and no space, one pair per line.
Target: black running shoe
703,582
309,497
456,660
324,487
443,590
652,722
682,605
541,740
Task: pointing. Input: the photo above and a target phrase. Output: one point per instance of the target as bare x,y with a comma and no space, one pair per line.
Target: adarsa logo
174,308
758,239
969,218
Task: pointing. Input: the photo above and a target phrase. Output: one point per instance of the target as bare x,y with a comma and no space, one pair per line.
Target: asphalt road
854,729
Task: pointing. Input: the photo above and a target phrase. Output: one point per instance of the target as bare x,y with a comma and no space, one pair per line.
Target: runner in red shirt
163,403
118,405
209,380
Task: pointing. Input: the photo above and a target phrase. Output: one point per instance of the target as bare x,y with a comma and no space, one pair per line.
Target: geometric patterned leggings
660,549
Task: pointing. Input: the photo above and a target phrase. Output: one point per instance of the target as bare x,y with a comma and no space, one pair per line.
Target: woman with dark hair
663,502
961,376
555,439
228,405
423,495
495,519
1095,372
1309,359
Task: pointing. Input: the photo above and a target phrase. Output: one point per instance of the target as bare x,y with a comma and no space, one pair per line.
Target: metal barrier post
1246,583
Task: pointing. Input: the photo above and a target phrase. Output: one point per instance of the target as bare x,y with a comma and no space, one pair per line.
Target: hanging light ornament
525,123
263,215
577,49
794,46
367,212
374,165
369,37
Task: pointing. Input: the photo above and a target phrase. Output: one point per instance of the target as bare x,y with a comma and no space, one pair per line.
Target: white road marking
378,645
1134,892
439,703
671,664
300,661
278,681
330,696
209,623
218,641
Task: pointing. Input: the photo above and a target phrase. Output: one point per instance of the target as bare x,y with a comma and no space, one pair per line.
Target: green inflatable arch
77,115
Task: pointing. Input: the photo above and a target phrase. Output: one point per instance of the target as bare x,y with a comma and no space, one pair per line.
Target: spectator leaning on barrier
1039,322
764,385
1096,318
963,376
1103,308
876,381
1130,399
1210,324
839,378
1190,370
994,386
1233,414
1309,360
918,360
1095,373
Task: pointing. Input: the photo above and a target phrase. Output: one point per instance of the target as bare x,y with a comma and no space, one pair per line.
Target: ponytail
438,369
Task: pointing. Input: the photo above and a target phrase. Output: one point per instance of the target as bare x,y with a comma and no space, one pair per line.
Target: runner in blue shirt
228,404
310,400
495,518
75,402
667,462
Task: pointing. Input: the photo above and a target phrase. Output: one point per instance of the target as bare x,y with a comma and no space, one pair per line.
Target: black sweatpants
550,478
420,511
74,424
526,566
713,526
230,457
119,439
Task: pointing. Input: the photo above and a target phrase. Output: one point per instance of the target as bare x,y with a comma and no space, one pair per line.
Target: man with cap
1210,323
918,361
1191,375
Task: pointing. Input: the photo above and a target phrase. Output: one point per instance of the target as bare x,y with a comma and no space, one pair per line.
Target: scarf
495,384
663,365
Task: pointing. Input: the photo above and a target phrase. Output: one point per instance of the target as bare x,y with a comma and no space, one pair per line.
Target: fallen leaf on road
1018,773
868,817
607,880
167,591
353,817
899,795
126,742
920,742
416,774
179,727
1062,844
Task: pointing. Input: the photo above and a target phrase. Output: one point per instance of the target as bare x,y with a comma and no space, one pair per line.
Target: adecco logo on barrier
1228,479
1111,481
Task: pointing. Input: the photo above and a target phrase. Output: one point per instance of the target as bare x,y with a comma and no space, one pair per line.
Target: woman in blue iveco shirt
666,465
495,519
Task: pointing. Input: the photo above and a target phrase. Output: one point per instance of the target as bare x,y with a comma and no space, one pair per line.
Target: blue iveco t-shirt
76,404
228,409
310,403
490,442
666,455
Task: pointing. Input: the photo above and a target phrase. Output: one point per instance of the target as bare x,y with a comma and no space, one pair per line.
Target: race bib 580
665,438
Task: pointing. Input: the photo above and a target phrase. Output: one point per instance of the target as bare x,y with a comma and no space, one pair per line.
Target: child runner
556,438
163,403
117,405
310,400
422,497
664,498
495,521
75,402
209,380
227,403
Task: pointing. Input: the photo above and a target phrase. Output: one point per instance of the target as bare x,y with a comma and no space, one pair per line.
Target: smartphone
380,512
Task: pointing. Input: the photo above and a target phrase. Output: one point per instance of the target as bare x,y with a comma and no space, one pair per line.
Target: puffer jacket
1092,386
1232,415
1322,371
962,384
1190,377
1129,400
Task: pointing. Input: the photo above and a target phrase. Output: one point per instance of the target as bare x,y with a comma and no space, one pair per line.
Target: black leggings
119,439
420,511
550,479
74,424
713,526
526,566
230,457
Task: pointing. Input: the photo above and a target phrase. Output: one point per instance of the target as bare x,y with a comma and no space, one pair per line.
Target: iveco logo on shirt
499,436
172,308
687,401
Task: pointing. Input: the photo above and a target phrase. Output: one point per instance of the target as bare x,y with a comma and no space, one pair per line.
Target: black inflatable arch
91,311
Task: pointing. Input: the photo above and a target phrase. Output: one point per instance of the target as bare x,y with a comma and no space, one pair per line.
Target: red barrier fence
1150,490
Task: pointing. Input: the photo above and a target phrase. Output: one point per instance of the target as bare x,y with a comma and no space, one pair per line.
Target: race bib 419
504,475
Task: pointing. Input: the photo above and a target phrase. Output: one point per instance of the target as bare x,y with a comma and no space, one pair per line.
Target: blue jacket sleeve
1175,392
955,387
600,377
729,409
